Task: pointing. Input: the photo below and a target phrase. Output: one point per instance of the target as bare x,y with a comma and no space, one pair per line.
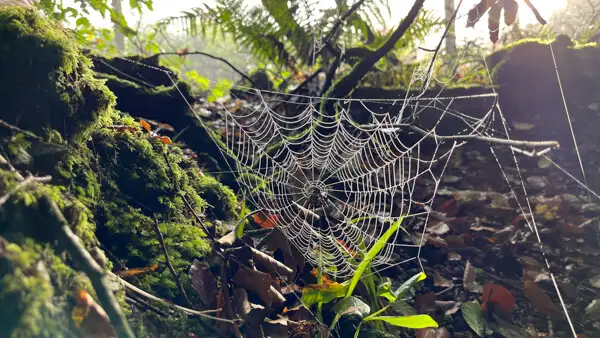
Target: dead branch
494,140
348,82
16,129
187,311
161,240
68,240
22,184
234,68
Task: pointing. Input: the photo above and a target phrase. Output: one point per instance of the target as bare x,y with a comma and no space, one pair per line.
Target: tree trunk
451,37
119,36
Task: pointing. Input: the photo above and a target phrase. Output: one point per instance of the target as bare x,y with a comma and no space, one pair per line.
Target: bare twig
68,240
161,240
9,126
20,185
549,144
234,68
187,311
439,46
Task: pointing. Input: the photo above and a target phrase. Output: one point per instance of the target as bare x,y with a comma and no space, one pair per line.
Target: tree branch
234,68
68,240
347,83
339,22
550,144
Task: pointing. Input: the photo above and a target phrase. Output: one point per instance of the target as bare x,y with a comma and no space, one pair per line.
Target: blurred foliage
288,34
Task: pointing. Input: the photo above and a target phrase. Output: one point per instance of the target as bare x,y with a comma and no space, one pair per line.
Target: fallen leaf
498,295
137,271
469,278
259,283
425,302
441,281
450,207
204,282
91,318
592,311
541,300
146,126
265,221
438,228
429,332
475,318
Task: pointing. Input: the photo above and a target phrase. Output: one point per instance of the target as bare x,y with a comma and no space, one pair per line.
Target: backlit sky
165,8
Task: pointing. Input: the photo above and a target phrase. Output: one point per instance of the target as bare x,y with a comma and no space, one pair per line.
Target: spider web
335,185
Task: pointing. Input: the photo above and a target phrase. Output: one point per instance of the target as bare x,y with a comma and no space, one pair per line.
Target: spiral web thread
335,188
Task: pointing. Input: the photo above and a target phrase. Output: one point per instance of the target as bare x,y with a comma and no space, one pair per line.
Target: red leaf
498,295
264,221
450,207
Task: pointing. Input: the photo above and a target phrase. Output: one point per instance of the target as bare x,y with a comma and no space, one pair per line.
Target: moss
38,286
46,83
19,216
138,185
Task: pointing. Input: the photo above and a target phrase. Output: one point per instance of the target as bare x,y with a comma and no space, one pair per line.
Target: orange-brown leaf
90,317
146,126
498,295
264,221
137,271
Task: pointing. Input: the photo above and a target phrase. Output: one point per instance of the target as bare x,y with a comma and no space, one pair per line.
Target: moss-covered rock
46,83
112,184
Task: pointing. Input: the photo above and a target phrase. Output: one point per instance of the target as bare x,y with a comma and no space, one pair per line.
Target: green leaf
239,231
351,306
311,296
407,285
384,290
592,311
474,316
410,322
373,252
404,308
348,307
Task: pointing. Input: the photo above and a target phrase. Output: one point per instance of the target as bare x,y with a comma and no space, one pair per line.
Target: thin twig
439,46
161,239
235,69
550,144
72,243
204,314
26,181
9,126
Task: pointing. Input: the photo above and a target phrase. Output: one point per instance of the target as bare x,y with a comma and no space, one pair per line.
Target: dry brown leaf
259,283
441,281
430,332
469,283
541,300
205,283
